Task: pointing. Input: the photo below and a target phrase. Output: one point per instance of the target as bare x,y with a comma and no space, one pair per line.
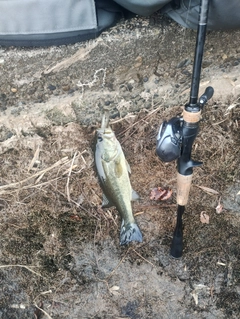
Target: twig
111,217
219,122
78,205
22,266
62,161
143,119
35,157
81,55
128,116
68,178
143,258
43,311
113,271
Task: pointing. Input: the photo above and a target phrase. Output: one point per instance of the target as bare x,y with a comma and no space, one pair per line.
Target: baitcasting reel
169,140
170,135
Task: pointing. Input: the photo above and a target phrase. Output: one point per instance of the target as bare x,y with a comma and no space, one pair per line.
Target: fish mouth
105,133
105,120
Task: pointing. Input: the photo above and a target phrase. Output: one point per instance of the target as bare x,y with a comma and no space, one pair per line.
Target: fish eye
100,138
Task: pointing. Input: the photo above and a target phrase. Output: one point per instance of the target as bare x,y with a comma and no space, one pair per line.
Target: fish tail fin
130,232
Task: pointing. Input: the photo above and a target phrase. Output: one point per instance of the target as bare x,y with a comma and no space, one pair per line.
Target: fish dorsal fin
135,195
105,202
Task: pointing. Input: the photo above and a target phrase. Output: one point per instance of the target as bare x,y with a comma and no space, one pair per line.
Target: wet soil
59,250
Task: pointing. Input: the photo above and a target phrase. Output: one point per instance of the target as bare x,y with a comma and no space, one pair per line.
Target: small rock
183,63
14,90
235,63
5,134
131,81
107,103
65,87
3,96
224,56
129,86
138,62
186,72
206,64
52,87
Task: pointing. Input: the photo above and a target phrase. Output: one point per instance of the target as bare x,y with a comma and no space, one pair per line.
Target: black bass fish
113,172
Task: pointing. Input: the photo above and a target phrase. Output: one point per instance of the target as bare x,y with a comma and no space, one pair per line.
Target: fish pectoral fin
106,203
118,168
135,195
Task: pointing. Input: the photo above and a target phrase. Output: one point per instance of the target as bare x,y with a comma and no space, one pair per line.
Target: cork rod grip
191,117
183,188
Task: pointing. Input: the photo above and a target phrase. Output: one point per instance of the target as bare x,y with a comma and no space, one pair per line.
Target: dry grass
50,196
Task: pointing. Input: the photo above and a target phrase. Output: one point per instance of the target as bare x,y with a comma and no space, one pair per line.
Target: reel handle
207,95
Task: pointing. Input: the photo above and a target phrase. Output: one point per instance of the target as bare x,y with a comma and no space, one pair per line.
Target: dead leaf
114,290
219,207
75,217
159,193
208,190
195,297
204,218
220,263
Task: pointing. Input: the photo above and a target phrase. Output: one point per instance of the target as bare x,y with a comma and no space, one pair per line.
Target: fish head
107,144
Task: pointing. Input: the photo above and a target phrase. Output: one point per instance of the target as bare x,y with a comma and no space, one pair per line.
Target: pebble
66,87
224,56
14,90
129,86
5,134
107,103
52,87
183,63
138,62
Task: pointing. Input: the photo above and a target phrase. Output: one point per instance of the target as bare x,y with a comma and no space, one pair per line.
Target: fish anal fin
135,195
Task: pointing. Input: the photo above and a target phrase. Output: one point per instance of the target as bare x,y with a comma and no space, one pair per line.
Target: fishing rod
176,137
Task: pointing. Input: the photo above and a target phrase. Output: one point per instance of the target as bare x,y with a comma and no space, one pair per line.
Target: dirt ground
59,250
